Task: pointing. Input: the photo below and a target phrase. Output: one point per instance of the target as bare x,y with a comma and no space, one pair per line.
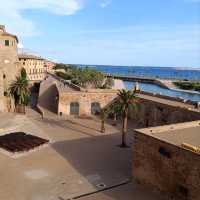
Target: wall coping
169,132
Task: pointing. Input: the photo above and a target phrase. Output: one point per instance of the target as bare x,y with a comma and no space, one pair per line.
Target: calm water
155,72
159,90
152,72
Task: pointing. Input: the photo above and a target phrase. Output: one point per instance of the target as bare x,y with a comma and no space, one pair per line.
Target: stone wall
85,99
177,174
59,95
9,67
1,92
151,114
48,94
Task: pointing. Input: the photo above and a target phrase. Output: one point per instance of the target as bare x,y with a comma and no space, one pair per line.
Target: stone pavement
78,160
130,191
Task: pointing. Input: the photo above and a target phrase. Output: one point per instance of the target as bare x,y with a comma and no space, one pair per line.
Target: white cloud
20,46
11,13
105,3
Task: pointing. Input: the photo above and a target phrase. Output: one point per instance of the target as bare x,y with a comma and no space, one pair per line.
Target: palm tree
126,100
20,92
103,114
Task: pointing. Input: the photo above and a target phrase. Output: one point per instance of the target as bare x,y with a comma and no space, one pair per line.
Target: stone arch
49,98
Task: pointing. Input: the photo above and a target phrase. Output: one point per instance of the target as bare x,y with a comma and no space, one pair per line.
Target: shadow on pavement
98,159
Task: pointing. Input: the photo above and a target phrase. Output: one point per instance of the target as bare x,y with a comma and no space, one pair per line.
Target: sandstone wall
1,92
9,68
150,114
85,100
48,94
177,174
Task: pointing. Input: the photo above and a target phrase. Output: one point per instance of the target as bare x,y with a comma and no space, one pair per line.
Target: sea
155,72
152,72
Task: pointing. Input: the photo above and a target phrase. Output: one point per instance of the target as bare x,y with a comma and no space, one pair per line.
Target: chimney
2,28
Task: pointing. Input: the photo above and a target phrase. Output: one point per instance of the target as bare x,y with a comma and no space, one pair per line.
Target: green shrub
188,85
81,76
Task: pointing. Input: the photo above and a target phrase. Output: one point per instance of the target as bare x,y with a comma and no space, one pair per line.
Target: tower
8,66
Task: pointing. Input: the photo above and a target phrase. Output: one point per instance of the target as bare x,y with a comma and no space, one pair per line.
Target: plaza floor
79,160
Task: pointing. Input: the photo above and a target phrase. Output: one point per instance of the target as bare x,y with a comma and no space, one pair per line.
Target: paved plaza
79,160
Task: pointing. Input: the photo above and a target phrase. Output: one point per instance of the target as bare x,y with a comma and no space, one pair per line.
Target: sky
110,32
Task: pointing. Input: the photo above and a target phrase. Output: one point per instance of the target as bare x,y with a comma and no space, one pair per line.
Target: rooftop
4,33
28,56
176,134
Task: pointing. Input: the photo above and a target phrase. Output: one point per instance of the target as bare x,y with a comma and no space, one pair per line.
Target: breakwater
138,79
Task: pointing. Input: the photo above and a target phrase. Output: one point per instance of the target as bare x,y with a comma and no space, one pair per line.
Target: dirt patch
20,142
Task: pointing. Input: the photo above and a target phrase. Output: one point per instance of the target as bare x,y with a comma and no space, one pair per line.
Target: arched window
74,108
95,108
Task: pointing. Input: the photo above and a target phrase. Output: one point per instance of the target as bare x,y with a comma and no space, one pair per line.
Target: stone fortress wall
164,164
59,95
151,114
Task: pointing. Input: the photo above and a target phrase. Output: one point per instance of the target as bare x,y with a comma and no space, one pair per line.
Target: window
95,108
6,42
74,108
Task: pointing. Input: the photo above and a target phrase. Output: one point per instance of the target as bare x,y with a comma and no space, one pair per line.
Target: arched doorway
74,108
95,108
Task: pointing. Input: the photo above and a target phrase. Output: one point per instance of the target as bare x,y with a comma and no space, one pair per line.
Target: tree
82,76
20,92
23,73
126,100
104,114
103,118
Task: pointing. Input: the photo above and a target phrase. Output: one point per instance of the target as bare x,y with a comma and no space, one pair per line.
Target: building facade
34,65
49,65
9,67
65,98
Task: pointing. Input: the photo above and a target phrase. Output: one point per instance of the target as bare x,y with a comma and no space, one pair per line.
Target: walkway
130,191
170,85
167,102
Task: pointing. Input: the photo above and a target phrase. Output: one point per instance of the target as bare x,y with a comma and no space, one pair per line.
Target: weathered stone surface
9,67
151,114
172,169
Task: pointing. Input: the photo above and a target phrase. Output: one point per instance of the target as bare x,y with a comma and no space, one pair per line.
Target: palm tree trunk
115,119
103,125
20,108
124,129
102,121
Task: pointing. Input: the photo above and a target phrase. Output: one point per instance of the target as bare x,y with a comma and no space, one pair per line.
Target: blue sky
114,32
